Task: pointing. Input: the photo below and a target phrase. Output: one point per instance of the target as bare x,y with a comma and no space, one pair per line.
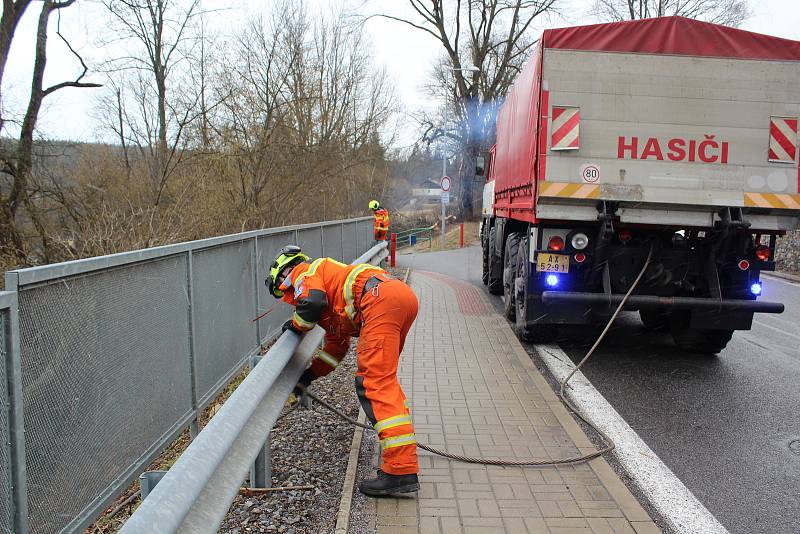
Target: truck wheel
495,281
654,319
510,273
697,340
539,333
485,256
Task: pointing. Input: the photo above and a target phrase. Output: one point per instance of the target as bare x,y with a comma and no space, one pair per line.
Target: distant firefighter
381,220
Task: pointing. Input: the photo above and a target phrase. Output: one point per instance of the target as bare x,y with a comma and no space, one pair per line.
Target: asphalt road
725,425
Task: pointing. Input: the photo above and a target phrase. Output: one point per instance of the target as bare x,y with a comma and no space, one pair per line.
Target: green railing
415,236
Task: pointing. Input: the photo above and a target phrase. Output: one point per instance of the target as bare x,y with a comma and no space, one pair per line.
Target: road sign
445,184
446,197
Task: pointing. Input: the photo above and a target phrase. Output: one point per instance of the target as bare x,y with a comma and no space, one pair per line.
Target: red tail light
580,257
762,252
556,243
625,235
744,265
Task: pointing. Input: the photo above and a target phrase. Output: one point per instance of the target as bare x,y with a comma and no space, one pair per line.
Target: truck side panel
517,133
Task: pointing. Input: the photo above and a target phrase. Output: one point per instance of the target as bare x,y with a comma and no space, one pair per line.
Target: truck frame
666,138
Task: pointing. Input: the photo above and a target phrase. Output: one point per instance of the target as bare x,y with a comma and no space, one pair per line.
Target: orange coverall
381,224
331,294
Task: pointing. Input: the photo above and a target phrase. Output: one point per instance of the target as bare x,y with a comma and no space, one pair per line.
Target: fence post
461,235
393,250
194,427
18,467
256,303
341,231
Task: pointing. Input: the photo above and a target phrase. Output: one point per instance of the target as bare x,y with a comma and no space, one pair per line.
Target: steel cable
562,385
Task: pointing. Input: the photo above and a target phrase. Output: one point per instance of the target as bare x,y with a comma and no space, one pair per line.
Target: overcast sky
406,53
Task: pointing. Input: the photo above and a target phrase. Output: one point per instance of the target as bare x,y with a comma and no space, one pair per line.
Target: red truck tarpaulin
673,35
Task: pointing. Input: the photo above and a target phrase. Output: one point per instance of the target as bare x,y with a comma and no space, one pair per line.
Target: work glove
288,325
305,381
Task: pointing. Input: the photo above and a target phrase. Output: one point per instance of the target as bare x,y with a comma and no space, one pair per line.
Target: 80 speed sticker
590,174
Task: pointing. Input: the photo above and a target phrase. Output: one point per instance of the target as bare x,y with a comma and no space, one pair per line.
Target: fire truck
665,142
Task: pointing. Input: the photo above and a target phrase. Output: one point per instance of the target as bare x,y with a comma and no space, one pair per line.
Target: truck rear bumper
636,302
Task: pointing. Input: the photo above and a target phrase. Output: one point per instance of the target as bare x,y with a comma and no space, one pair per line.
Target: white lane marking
780,280
784,332
679,507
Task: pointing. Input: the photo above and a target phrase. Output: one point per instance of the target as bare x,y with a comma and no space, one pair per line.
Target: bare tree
19,163
162,30
300,127
495,36
727,12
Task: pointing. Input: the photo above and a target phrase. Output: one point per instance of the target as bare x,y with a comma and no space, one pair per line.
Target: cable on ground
562,385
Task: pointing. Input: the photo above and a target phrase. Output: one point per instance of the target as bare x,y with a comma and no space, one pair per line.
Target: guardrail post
393,249
148,481
194,426
261,470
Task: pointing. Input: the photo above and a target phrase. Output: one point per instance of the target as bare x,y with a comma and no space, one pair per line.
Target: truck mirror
480,165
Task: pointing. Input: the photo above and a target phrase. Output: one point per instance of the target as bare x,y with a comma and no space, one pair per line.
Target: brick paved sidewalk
474,391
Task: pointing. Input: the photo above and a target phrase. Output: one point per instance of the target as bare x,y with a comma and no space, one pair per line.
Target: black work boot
386,484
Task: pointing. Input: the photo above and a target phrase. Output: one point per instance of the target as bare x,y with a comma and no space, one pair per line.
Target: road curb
668,495
348,485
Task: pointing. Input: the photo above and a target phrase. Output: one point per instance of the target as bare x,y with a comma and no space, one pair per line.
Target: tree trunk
24,153
12,13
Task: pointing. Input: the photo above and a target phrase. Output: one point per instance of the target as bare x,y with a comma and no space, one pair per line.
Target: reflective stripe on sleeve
327,358
399,441
311,271
305,325
349,308
391,422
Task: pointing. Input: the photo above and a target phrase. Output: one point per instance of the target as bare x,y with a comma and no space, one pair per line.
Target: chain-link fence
120,353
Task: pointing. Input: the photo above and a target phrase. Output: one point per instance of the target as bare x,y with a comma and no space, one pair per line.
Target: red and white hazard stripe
783,139
566,128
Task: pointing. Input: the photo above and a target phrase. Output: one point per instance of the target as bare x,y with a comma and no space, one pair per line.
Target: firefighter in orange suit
381,220
366,301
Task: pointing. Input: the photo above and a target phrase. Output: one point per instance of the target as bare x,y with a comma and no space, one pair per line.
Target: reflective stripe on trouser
386,319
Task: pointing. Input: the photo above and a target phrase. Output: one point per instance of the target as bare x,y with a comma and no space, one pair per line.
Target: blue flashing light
551,280
755,288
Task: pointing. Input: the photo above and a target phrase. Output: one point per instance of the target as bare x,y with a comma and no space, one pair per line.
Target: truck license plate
552,263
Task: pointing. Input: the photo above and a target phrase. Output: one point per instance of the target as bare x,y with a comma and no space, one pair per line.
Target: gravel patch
308,448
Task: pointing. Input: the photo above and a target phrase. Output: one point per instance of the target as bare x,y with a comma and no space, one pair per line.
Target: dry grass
452,237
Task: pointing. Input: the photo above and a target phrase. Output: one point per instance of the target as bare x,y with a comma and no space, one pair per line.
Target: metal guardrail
197,491
111,358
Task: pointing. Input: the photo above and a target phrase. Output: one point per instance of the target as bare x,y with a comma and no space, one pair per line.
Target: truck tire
509,274
654,319
495,278
539,333
485,255
697,340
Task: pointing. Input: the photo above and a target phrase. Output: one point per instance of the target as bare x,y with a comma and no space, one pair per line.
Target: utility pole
468,68
444,157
